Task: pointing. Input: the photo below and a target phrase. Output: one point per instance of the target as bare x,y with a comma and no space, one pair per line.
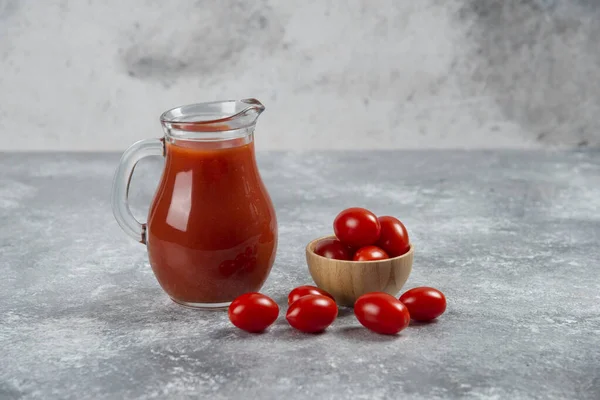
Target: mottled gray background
94,75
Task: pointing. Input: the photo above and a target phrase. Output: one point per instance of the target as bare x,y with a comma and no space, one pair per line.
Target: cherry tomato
357,227
333,248
424,303
381,313
312,313
394,236
253,312
306,290
370,253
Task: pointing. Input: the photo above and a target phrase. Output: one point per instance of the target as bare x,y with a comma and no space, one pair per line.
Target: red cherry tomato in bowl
253,312
333,248
357,227
394,236
306,290
424,303
312,313
370,253
381,313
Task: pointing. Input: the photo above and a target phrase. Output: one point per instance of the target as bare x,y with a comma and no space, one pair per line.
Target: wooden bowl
348,280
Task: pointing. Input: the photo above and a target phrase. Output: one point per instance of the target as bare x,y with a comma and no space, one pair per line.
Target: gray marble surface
510,237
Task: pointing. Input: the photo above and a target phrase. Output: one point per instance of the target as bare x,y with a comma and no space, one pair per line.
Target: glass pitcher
211,233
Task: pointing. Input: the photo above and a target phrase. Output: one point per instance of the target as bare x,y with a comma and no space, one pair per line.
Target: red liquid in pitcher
212,230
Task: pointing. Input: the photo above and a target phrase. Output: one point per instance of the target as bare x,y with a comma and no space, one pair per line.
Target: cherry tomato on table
381,313
333,248
306,290
370,253
253,312
357,227
394,236
312,313
424,303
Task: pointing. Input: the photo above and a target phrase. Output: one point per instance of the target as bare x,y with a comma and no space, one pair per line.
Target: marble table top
511,237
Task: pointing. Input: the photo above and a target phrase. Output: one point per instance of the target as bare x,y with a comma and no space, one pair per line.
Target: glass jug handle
120,189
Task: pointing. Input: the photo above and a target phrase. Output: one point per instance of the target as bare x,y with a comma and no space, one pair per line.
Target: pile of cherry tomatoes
362,236
312,310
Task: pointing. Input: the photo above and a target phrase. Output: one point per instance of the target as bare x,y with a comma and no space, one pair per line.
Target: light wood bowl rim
310,249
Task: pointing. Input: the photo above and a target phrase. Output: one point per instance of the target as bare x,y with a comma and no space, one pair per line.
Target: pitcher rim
251,105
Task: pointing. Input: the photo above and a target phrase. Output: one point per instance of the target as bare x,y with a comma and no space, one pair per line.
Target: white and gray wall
337,74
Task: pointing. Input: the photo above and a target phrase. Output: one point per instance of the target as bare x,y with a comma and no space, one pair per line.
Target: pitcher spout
254,109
